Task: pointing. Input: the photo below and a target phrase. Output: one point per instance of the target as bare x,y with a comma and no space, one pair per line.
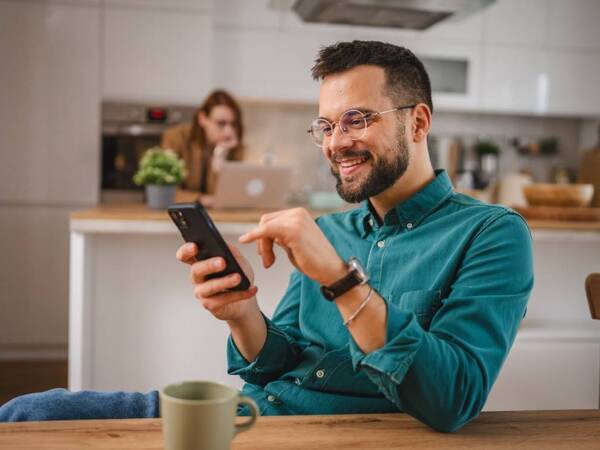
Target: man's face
368,166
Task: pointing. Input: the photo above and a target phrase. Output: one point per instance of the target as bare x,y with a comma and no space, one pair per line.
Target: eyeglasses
221,124
352,123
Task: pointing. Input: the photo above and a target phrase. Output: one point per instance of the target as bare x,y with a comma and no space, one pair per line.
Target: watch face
357,268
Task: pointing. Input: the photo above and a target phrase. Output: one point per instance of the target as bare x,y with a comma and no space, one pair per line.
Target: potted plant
160,170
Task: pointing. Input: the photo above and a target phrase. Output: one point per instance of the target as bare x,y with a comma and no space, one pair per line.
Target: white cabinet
515,80
197,5
539,81
134,322
264,63
34,280
240,14
515,22
541,57
573,24
573,77
49,114
548,373
156,55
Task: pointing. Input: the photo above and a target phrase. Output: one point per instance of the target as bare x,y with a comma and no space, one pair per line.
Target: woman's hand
223,147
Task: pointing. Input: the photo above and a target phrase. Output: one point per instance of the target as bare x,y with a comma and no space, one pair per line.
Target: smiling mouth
348,165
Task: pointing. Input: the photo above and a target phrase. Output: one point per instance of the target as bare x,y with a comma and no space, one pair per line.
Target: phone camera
179,219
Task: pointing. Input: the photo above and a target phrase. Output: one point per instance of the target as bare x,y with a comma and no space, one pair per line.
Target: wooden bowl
548,194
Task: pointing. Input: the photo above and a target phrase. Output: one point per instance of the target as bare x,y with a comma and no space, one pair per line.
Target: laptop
245,185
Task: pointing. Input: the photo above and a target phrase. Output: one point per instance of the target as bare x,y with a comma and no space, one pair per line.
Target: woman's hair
216,98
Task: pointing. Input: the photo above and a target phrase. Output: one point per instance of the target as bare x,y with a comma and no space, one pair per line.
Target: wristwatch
356,275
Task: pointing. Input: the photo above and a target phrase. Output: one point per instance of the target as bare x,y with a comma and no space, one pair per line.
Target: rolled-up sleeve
443,376
283,346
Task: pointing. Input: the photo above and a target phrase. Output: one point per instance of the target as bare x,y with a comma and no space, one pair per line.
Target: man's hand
232,306
307,247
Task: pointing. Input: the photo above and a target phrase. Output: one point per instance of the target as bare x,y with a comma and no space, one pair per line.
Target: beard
385,172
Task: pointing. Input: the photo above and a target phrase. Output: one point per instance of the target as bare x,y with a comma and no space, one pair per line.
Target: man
409,302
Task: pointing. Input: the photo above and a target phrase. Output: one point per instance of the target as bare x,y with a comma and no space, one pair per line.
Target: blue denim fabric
61,404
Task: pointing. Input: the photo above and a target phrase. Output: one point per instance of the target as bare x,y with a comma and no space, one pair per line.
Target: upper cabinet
573,24
195,5
541,57
573,83
530,57
514,22
49,91
515,79
156,54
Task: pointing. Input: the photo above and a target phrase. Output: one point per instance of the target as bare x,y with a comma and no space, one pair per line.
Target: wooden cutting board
559,213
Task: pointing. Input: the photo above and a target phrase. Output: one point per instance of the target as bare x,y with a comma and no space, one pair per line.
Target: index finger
253,235
187,253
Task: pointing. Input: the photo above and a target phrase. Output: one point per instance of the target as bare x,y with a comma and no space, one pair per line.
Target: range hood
410,14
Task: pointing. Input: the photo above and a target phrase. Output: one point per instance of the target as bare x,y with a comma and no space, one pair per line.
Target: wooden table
496,430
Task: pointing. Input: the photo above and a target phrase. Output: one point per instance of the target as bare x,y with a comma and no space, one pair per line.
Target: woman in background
214,135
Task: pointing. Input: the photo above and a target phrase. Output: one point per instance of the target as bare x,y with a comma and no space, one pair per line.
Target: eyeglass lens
353,123
221,124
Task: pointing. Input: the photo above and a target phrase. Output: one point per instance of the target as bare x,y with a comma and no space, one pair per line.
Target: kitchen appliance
410,14
129,129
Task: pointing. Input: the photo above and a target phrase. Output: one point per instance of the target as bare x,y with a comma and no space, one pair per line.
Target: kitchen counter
496,430
139,212
134,323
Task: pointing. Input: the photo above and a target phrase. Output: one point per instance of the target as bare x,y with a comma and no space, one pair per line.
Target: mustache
351,154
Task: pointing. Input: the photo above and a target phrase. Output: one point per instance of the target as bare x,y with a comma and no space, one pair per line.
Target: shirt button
270,398
381,244
297,382
371,223
409,225
320,373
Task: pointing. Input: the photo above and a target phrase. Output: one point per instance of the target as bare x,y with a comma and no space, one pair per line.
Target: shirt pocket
423,303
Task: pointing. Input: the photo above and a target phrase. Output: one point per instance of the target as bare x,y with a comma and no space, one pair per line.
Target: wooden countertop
139,211
493,430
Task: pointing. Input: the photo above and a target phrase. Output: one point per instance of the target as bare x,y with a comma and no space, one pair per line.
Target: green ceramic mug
200,415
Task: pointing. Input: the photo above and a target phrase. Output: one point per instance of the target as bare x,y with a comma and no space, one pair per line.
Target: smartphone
195,225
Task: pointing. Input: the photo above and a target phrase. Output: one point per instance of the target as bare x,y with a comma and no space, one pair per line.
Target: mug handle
254,413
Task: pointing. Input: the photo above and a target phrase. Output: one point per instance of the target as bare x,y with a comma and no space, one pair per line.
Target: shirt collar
414,209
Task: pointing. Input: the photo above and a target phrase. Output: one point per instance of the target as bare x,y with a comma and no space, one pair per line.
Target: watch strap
346,283
343,285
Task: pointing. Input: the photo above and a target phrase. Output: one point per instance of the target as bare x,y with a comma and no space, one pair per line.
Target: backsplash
277,132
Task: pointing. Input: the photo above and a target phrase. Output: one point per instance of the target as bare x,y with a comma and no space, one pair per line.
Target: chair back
592,290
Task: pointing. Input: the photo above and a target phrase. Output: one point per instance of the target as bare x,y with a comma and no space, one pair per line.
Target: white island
135,325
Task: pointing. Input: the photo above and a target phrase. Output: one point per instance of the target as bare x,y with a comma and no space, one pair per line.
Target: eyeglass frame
366,116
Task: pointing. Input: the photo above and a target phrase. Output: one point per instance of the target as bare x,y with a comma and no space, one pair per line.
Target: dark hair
216,98
406,77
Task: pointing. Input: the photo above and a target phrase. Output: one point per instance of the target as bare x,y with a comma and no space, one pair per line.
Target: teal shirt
455,274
